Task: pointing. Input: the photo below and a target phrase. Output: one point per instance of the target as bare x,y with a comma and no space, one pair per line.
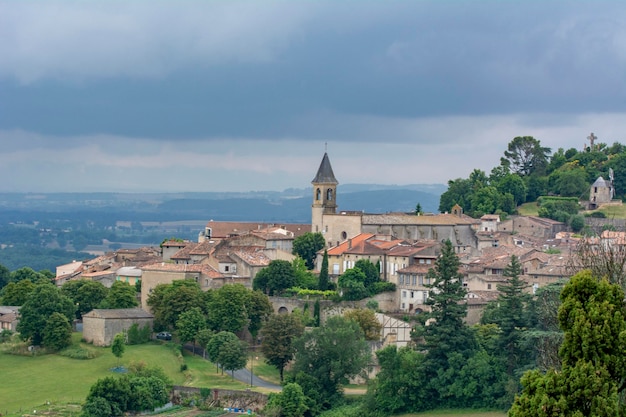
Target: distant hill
291,205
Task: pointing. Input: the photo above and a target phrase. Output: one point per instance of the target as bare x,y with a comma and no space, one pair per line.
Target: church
339,225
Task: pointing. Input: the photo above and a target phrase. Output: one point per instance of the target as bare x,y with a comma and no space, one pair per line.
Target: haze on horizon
243,96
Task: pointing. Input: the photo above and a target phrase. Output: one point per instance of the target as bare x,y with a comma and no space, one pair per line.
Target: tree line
528,170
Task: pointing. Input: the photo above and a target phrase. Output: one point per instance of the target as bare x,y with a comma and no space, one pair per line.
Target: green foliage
277,338
16,293
306,247
352,284
189,325
118,346
258,310
120,295
526,156
85,294
168,301
291,402
331,354
136,336
227,308
227,351
306,293
593,355
367,321
79,352
57,333
45,300
275,278
323,277
304,277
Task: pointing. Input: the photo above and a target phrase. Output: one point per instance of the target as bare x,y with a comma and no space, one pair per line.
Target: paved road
243,374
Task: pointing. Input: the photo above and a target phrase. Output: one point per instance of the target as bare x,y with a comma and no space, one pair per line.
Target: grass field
457,413
29,381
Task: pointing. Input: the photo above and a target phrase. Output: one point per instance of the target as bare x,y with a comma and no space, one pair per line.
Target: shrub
79,352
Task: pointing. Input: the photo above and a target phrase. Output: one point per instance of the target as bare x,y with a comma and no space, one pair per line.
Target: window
414,279
403,295
206,282
421,261
226,268
336,269
318,194
412,294
428,261
488,286
344,235
403,306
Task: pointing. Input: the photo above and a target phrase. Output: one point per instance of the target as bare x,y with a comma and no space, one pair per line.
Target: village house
9,317
100,326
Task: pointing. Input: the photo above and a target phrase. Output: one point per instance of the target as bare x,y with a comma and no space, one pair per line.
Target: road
243,374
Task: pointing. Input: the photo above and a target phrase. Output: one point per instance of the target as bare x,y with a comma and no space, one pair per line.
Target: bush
79,352
138,336
598,215
382,286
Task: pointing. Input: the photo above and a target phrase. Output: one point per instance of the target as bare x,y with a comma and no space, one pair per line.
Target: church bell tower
324,195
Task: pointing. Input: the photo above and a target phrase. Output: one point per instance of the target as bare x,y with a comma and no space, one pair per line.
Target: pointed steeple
325,173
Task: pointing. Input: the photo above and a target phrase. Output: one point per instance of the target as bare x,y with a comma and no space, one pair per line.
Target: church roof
325,173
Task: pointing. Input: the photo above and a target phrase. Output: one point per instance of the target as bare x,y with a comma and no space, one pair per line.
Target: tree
304,277
603,258
29,274
259,309
511,315
593,354
418,209
85,294
5,276
447,331
115,391
307,245
275,278
45,300
227,308
189,325
323,282
277,338
119,346
169,301
227,351
526,156
57,333
372,274
513,184
16,293
367,321
121,295
459,191
352,284
291,402
332,354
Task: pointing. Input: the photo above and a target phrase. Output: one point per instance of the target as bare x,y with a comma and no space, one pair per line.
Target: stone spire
325,173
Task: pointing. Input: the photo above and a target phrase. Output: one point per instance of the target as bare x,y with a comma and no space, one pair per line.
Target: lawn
29,381
457,413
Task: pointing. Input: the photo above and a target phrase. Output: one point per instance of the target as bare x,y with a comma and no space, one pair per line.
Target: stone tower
324,195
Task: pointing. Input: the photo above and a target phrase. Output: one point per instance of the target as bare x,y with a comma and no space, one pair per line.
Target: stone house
9,317
128,274
532,226
100,326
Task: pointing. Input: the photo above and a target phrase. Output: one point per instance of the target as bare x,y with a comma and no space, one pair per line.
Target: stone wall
243,400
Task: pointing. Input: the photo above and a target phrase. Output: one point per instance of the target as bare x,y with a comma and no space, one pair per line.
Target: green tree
259,309
323,282
306,247
85,294
459,192
291,402
227,308
275,278
5,276
513,184
277,338
577,223
169,301
372,274
418,209
57,333
121,295
45,300
593,354
570,182
189,325
512,315
399,385
526,156
115,391
352,284
16,293
304,277
367,322
27,273
119,346
332,354
447,331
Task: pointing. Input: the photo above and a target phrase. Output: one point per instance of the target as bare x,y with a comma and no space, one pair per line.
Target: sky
166,96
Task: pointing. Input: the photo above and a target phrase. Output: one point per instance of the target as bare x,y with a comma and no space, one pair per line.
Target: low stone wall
245,400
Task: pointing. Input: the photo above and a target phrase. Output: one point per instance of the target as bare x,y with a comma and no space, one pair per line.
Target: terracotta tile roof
222,230
253,256
170,267
97,274
416,269
347,244
175,243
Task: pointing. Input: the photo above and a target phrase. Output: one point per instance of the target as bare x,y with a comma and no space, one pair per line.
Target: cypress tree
323,280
